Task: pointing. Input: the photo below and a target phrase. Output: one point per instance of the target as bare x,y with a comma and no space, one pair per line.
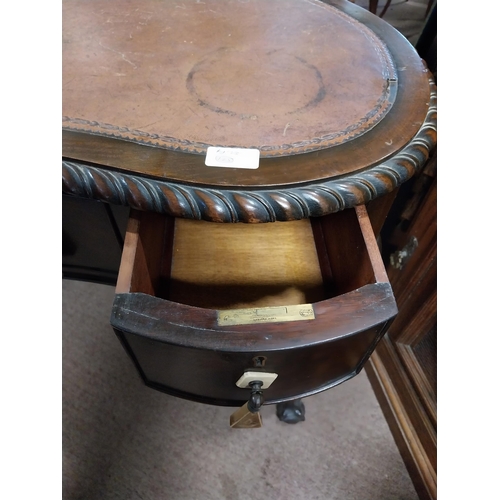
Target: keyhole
259,361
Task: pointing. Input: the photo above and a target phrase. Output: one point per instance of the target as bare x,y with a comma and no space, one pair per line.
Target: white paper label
232,157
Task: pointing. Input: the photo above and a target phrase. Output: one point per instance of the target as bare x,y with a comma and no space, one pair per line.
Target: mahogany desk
224,270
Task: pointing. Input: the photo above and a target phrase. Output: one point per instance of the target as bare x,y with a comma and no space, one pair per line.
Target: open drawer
197,303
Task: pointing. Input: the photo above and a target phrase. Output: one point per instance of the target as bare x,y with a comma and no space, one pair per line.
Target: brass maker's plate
253,316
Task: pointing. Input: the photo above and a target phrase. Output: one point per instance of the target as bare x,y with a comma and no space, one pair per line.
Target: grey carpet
122,440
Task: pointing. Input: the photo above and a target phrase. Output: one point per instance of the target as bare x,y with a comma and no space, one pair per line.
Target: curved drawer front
198,304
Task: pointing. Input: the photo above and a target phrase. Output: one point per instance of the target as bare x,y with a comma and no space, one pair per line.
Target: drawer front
178,279
210,376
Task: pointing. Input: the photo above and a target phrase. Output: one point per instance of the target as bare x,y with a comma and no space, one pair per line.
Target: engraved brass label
253,316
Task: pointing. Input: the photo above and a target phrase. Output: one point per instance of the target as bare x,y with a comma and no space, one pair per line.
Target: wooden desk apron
341,110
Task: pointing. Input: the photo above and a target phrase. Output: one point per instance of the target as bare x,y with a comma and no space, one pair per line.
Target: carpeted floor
122,440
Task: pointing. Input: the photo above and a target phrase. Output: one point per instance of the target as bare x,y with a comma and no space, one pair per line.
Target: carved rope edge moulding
266,205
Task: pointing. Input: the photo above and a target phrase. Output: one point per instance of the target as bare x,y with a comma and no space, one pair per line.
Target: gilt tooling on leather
284,77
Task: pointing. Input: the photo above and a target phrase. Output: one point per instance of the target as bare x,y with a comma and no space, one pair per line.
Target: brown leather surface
283,76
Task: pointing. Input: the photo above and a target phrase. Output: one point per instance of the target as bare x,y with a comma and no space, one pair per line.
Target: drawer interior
241,265
232,266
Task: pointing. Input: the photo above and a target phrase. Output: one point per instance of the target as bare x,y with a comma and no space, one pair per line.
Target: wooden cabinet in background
402,369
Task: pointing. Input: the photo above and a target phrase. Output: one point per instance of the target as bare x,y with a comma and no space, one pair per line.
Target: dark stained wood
331,143
397,413
163,334
92,234
378,210
145,257
347,250
256,205
170,179
209,375
371,244
341,250
403,368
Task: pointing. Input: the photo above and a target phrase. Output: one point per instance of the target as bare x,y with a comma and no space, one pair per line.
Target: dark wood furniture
403,368
342,111
182,282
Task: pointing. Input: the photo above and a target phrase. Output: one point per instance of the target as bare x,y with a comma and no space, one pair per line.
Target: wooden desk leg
291,412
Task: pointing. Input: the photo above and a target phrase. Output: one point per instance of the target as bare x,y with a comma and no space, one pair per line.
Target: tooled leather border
256,205
364,124
372,118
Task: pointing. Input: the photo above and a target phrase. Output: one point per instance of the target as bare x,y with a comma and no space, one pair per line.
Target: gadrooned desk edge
255,205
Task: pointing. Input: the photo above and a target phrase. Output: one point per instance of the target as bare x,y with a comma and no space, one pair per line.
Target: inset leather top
282,76
337,101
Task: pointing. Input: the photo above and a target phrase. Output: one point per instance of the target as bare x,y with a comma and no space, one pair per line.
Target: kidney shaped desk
236,285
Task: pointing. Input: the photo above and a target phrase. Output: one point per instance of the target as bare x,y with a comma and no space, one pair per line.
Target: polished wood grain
146,254
398,413
115,166
344,250
403,369
233,265
338,137
92,238
261,204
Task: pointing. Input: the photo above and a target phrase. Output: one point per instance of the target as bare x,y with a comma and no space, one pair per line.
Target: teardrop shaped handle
256,396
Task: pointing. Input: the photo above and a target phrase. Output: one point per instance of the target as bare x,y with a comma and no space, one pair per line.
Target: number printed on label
232,157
